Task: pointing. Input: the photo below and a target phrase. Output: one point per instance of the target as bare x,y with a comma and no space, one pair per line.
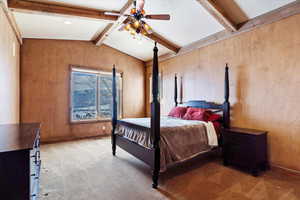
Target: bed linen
180,139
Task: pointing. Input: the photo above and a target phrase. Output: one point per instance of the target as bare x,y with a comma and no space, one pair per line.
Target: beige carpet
86,170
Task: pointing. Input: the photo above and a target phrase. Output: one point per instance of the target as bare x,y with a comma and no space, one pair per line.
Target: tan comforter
180,139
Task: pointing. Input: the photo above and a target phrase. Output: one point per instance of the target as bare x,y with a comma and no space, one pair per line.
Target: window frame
74,68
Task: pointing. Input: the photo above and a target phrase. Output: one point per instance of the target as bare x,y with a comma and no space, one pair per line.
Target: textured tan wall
264,83
45,84
9,73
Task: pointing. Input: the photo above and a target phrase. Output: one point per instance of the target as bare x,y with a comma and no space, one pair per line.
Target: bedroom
54,53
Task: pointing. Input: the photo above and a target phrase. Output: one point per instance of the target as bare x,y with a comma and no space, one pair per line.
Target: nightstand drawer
234,138
239,154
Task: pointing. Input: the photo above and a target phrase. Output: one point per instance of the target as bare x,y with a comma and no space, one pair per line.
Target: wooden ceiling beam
101,36
99,39
164,42
42,8
219,14
268,18
12,22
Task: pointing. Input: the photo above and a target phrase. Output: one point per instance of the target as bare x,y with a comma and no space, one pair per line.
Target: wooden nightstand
246,148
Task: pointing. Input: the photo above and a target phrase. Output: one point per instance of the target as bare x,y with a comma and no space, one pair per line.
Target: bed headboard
203,104
224,108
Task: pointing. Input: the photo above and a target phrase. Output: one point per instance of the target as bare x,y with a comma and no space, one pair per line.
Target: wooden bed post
226,104
114,111
155,118
181,92
175,91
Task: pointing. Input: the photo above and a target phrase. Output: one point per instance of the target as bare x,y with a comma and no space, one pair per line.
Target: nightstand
245,148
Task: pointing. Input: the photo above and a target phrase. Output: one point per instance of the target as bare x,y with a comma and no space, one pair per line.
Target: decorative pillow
214,117
196,114
178,112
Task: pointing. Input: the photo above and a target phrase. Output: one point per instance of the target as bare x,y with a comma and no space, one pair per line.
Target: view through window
91,95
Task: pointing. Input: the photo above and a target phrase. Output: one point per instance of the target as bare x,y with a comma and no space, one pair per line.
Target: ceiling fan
134,22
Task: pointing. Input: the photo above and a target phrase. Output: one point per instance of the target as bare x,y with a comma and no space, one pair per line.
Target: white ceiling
141,49
189,23
53,27
254,8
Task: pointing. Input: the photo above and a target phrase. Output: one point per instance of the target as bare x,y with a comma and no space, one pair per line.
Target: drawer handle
33,175
37,157
37,143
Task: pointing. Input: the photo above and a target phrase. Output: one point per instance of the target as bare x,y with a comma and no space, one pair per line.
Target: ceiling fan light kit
135,24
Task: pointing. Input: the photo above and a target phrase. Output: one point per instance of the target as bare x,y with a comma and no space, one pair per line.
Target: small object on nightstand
245,148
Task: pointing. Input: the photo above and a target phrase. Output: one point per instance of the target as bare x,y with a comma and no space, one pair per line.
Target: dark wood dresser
246,148
19,161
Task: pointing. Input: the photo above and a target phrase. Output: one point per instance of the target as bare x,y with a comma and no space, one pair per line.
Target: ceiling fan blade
115,14
158,17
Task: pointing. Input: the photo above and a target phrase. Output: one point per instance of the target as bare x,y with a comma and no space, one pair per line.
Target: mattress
180,139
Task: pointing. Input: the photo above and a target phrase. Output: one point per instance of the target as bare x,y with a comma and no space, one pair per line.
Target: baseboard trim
285,170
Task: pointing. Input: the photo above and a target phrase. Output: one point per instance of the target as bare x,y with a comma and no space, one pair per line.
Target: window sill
90,122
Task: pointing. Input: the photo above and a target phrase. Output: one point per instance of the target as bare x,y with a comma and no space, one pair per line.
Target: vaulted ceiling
191,21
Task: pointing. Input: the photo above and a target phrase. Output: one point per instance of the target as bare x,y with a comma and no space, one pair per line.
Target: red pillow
196,114
178,112
214,117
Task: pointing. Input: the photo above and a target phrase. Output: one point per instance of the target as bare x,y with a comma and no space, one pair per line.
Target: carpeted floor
86,170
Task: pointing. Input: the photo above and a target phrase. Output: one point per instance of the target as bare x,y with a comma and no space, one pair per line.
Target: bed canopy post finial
226,104
114,110
155,118
175,91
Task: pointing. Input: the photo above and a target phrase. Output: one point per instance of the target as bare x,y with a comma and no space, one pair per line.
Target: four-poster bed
145,141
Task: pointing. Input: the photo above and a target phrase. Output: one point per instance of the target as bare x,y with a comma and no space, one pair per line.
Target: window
91,95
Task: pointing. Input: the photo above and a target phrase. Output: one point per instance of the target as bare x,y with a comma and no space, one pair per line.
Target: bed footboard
140,152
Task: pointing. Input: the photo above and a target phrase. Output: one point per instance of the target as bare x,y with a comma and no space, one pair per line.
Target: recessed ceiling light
67,22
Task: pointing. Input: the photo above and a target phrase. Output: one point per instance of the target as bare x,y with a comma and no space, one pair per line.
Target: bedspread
180,139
